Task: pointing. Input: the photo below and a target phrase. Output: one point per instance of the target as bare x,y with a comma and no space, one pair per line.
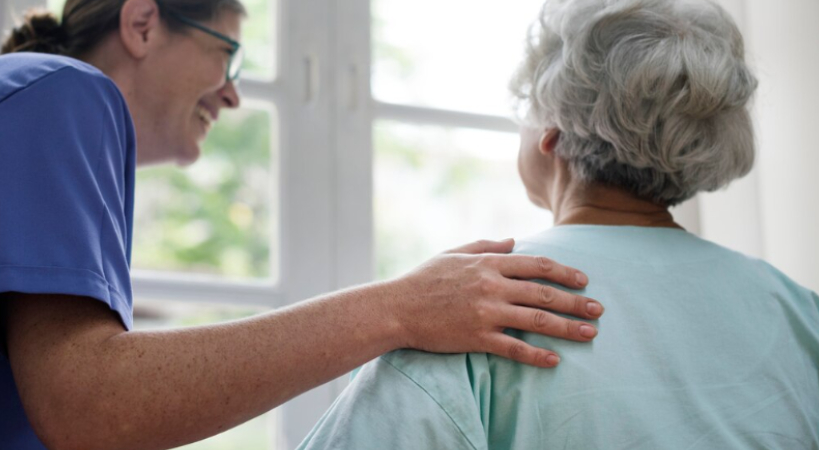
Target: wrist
391,298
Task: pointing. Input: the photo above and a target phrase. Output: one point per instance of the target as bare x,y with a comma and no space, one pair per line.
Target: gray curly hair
649,95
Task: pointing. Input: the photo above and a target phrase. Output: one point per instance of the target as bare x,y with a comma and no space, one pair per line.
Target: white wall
732,217
783,42
772,213
5,23
11,10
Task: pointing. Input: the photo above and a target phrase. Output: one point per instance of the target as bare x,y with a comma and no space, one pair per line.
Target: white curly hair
649,95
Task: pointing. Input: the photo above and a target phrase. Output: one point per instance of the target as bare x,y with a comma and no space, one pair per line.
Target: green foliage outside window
213,217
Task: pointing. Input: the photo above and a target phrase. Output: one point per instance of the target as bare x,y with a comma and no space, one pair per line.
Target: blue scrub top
67,166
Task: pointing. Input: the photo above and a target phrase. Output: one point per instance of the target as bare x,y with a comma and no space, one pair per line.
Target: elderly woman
629,107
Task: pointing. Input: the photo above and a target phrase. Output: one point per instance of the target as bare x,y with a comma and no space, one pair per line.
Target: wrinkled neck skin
575,203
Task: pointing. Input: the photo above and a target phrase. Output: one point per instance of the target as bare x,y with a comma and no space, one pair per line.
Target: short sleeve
67,162
384,409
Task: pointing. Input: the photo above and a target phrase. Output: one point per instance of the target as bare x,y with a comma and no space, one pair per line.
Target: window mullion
307,180
353,145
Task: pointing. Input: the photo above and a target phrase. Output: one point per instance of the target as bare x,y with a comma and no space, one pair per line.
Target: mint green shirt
700,348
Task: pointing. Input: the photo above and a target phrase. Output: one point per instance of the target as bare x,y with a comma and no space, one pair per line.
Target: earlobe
548,141
139,23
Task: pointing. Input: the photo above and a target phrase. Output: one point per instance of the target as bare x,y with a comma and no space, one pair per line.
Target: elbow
61,422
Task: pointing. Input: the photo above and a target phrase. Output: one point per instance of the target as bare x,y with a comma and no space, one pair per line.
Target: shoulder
439,376
629,246
600,250
785,285
45,99
23,74
451,380
404,399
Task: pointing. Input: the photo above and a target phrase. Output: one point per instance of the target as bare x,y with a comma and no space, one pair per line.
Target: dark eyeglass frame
234,67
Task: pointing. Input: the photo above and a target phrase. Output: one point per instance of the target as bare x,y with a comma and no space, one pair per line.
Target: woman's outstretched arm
87,384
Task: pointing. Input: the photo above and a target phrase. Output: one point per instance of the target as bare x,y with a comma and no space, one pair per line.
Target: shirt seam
34,82
452,419
105,280
102,255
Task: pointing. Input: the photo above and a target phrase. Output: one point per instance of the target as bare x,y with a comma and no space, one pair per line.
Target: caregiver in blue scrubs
123,83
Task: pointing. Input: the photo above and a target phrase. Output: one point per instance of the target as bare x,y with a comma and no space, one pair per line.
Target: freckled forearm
162,389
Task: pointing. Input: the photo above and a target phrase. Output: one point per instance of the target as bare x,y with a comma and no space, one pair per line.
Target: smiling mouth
205,115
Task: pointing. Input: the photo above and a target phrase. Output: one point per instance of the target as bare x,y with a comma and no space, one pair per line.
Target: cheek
525,174
208,79
526,165
200,73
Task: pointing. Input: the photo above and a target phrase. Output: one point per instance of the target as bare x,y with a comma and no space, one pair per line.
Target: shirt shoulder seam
44,77
33,83
452,419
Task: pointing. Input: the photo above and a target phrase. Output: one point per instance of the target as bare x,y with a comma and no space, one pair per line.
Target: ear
548,141
139,23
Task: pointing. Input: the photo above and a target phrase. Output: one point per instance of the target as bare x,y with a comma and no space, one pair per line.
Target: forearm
86,384
153,390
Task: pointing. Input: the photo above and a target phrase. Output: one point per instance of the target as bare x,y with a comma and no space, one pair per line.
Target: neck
108,58
595,204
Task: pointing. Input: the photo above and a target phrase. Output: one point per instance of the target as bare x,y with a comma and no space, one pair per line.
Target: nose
229,94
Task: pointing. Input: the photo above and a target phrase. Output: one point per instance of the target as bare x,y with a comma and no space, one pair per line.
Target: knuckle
546,265
547,295
540,319
487,285
482,314
483,340
571,329
579,308
516,351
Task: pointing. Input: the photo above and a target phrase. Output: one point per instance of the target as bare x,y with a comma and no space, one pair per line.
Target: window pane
218,216
256,434
259,33
454,54
437,188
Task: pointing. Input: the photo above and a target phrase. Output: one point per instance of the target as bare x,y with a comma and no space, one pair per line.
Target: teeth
204,114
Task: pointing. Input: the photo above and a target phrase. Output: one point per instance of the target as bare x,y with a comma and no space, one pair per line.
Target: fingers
508,347
524,267
546,323
485,247
529,293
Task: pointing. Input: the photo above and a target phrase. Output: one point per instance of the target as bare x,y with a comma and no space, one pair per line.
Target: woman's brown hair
86,22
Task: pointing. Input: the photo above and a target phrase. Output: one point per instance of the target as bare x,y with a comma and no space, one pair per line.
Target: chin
189,155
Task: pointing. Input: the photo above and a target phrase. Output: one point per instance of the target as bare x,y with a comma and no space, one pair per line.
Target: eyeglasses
237,55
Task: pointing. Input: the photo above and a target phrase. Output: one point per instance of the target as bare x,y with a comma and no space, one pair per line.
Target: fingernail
587,331
552,360
594,309
582,279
